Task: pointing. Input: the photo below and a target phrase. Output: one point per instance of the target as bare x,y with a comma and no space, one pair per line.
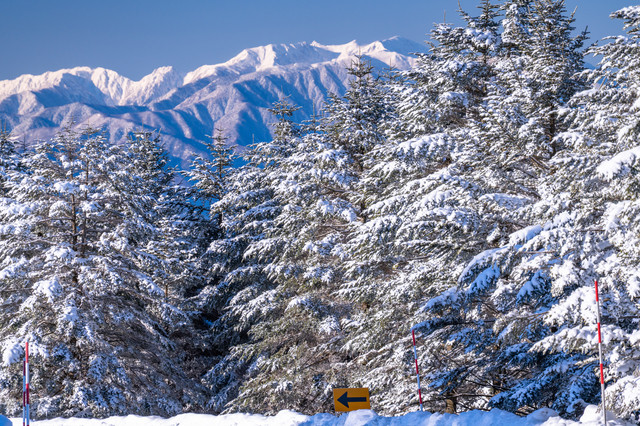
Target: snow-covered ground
541,417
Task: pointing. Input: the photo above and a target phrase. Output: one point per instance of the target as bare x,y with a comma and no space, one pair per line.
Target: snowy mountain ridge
121,90
116,89
233,95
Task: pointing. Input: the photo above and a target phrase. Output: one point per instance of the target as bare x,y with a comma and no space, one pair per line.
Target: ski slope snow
542,417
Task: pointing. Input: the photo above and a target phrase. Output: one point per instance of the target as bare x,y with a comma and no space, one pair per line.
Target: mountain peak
235,95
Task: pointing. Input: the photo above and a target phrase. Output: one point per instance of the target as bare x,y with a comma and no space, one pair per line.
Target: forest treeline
474,198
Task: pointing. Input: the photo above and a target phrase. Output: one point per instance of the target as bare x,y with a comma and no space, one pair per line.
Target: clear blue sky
133,37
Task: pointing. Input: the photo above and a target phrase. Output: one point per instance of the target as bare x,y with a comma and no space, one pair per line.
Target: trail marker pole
24,392
415,357
604,411
25,388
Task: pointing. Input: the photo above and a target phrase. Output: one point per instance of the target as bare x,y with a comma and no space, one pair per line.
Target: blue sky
134,37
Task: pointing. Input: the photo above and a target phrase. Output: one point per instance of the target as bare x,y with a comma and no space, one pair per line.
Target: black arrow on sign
345,400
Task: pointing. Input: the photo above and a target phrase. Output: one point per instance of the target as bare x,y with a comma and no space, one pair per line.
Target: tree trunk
451,402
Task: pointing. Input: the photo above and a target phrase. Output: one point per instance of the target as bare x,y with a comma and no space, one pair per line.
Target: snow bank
542,417
283,418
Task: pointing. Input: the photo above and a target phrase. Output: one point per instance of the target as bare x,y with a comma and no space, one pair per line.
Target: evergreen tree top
7,145
150,158
282,109
284,127
360,68
487,20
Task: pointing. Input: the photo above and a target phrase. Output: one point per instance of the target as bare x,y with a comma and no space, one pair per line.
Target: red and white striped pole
25,388
24,391
604,411
415,357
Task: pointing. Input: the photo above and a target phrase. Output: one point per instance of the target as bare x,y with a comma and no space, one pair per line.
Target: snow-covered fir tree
314,179
325,199
242,289
173,247
595,181
284,333
9,158
210,175
441,90
533,298
422,214
488,323
75,286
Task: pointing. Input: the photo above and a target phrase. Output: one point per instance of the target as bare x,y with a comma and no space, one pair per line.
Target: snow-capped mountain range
184,108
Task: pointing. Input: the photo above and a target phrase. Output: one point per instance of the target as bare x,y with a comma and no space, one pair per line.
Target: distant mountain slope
234,95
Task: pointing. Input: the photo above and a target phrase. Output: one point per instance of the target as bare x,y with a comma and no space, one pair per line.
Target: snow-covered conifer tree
211,178
9,159
242,287
595,180
424,220
74,287
488,324
315,179
441,90
209,175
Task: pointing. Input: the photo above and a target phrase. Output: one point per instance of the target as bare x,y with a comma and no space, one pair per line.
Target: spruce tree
75,285
9,158
489,322
595,180
241,293
209,175
317,207
441,91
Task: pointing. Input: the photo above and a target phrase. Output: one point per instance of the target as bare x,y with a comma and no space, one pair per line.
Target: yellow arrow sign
350,399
